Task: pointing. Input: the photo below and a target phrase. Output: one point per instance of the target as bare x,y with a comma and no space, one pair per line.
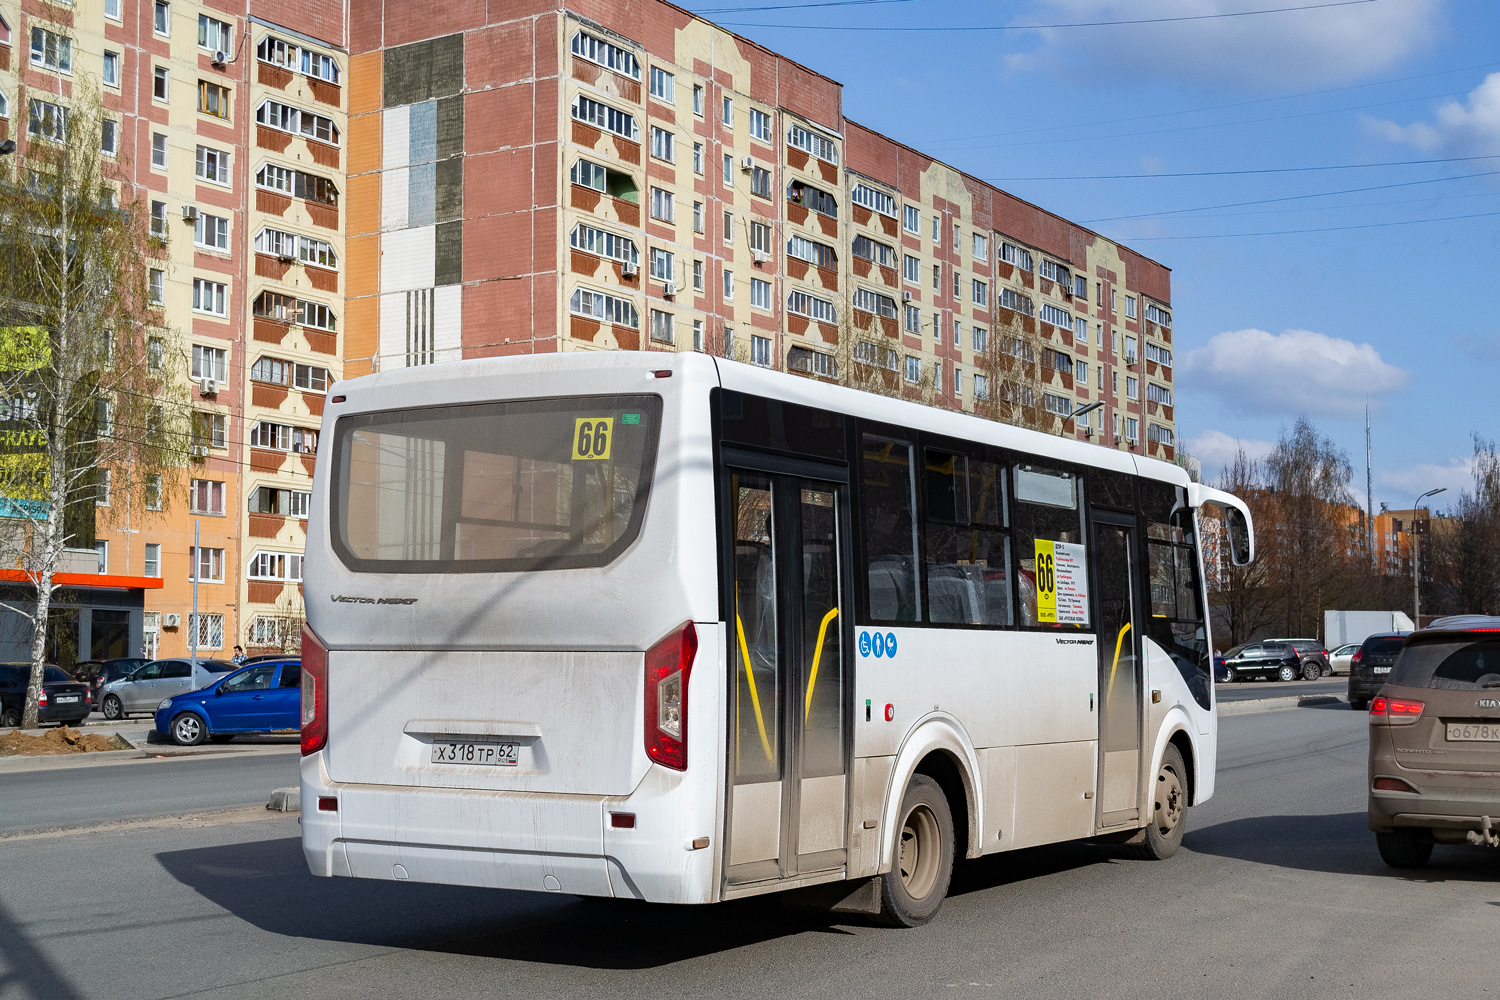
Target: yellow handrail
817,653
1119,641
760,721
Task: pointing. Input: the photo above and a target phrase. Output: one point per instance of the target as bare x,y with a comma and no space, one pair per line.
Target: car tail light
1396,711
668,666
314,692
41,698
1392,785
1359,654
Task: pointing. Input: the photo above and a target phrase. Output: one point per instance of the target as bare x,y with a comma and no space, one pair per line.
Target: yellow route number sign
592,437
1061,583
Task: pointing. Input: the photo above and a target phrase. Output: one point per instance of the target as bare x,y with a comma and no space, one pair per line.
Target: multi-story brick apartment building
226,124
525,177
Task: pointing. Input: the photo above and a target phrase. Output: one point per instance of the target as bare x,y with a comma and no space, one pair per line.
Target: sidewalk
140,733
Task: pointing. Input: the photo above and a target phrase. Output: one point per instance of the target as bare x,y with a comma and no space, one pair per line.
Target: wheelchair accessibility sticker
878,645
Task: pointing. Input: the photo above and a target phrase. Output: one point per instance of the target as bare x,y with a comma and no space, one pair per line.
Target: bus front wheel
913,890
1163,833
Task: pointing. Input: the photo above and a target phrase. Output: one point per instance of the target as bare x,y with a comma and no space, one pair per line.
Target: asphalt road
1277,892
1255,690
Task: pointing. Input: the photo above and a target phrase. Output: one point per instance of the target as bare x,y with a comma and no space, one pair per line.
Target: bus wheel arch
939,749
1184,745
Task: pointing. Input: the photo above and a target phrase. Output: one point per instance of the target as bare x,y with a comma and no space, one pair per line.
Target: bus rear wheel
1163,833
913,890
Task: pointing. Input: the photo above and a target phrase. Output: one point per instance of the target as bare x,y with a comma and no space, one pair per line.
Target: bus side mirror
1240,552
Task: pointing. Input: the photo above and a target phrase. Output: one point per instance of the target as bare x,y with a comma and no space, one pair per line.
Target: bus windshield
486,487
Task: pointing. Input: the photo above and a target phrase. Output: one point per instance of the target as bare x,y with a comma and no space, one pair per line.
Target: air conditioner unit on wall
629,269
208,387
189,213
906,296
669,289
171,620
747,163
759,256
220,59
199,451
286,258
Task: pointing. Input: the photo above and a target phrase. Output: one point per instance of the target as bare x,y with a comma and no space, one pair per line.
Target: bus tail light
314,692
668,666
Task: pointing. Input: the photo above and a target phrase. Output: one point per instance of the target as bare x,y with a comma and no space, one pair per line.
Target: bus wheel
914,888
1159,840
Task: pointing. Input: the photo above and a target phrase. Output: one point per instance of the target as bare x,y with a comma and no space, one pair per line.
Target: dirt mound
64,739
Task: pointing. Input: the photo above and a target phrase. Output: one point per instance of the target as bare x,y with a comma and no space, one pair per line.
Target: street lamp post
1416,563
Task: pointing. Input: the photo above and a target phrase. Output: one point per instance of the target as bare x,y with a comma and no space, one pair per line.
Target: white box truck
1342,627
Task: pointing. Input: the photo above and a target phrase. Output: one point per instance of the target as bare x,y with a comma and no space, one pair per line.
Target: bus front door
1119,672
788,721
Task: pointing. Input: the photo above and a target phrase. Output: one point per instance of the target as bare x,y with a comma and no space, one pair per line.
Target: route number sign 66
592,437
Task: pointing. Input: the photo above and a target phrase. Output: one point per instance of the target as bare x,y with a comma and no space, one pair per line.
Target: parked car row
61,700
1273,659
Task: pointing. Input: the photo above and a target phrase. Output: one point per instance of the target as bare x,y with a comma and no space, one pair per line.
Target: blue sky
1267,327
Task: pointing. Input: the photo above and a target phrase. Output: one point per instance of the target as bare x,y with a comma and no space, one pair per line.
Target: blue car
264,697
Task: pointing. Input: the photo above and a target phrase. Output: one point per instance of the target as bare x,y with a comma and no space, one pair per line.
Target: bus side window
1176,623
968,551
888,524
1048,507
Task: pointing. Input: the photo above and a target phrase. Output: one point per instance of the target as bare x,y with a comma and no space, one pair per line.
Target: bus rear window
491,487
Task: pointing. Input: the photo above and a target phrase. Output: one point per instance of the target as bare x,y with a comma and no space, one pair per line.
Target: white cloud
1399,487
1292,372
1268,52
1457,128
1217,449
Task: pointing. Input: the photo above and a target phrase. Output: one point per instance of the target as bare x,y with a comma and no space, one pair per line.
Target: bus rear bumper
504,840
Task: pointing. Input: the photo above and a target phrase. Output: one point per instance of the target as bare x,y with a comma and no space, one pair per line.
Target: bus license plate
1473,732
464,752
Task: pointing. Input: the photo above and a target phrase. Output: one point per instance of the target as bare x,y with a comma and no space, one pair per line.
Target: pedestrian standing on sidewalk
238,657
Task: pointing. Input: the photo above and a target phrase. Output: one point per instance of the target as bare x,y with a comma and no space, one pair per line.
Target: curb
1277,704
287,800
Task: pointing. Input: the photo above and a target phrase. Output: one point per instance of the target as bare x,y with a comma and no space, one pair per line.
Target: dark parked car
63,700
1266,660
1371,666
97,673
1315,661
264,697
1435,742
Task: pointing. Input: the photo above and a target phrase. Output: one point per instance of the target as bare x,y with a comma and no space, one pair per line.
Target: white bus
672,628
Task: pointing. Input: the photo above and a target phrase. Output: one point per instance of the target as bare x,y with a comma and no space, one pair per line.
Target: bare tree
86,364
1466,556
1246,602
1010,364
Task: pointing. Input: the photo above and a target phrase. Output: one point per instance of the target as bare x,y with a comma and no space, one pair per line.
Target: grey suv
1371,665
1435,742
145,688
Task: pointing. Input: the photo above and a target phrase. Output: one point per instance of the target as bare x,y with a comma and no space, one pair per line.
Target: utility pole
1369,495
1416,561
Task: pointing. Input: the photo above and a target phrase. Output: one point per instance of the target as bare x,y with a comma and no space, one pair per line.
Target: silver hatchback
145,688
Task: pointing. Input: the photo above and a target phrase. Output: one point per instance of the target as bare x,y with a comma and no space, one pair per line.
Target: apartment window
698,100
873,199
913,369
206,497
1159,394
662,268
1017,256
156,286
109,137
663,207
211,232
592,112
937,277
1159,316
1160,434
276,242
1099,293
608,308
315,315
937,229
663,145
210,362
153,491
1053,271
800,359
111,71
803,304
52,51
1160,355
101,488
958,334
958,243
937,376
697,216
213,35
981,340
286,118
1132,429
1099,377
760,238
209,297
153,559
698,158
873,250
820,254
663,85
958,381
810,197
159,150
318,253
208,430
728,285
1099,334
1114,305
760,350
1060,405
271,370
912,269
1132,387
1081,330
728,227
101,550
958,289
284,437
981,294
1114,380
1056,317
213,99
937,328
760,182
661,327
207,629
275,566
1080,286
46,120
161,80
728,170
610,56
760,126
697,275
728,119
212,165
867,300
1130,307
1015,301
112,9
206,565
760,294
1081,372
812,142
911,220
981,387
272,500
913,319
981,247
311,378
162,18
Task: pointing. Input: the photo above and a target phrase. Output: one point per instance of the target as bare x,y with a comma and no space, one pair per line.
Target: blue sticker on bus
864,644
890,645
879,641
